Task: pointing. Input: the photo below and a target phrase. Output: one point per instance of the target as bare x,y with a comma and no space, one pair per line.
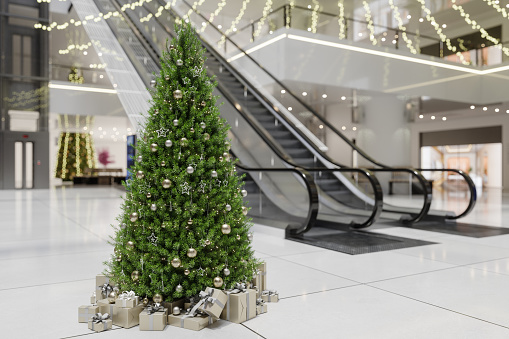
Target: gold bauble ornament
191,253
167,78
175,262
177,94
140,175
203,104
157,298
145,301
149,195
183,142
244,193
244,210
207,242
238,236
226,229
130,245
206,136
113,295
133,217
153,147
186,272
135,276
190,221
172,47
163,163
179,62
166,183
218,282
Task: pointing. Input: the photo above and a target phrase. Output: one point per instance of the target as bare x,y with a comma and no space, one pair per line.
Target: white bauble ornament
226,229
190,169
168,143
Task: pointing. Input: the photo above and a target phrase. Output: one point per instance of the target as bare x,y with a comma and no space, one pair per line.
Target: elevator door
23,164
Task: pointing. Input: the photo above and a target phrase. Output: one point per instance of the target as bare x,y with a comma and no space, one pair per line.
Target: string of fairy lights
475,25
193,8
233,26
66,146
214,14
288,16
402,28
495,5
265,13
370,25
341,20
314,16
77,146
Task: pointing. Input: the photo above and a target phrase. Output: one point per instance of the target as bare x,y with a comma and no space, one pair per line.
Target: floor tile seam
52,255
412,275
489,271
250,329
438,306
435,260
77,223
89,333
48,284
315,269
323,291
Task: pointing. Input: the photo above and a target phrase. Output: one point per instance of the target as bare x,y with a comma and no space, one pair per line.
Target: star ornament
185,80
185,188
162,132
153,239
202,186
196,71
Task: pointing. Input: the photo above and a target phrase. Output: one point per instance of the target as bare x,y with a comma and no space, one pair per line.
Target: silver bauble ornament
163,163
130,245
119,257
183,142
153,147
179,62
238,236
218,282
134,216
190,221
250,236
191,253
140,175
226,271
152,83
179,288
157,298
145,301
176,310
220,159
206,136
207,242
214,174
177,94
113,295
172,47
191,130
186,272
175,122
168,143
123,225
203,125
190,169
139,158
167,78
166,183
226,229
175,262
135,276
153,207
149,195
228,207
244,210
244,193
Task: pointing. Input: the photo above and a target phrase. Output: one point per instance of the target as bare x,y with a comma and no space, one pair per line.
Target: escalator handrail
377,190
471,185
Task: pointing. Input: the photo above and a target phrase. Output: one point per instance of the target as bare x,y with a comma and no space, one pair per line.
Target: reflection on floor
54,242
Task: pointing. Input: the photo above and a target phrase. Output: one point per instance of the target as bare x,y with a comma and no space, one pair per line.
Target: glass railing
86,76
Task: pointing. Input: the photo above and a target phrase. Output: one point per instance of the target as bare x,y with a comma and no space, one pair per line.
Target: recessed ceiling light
409,16
320,126
432,117
235,29
383,39
421,19
304,93
507,111
360,34
485,108
421,116
394,42
101,76
344,127
283,91
343,98
85,52
444,118
100,128
270,32
444,26
324,95
354,128
472,107
99,54
309,29
309,6
203,24
290,108
219,26
497,110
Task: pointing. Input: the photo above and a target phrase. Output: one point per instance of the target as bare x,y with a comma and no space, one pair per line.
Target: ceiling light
343,98
309,6
290,109
497,110
309,29
485,108
219,26
85,128
320,126
421,116
444,118
324,95
101,76
409,16
360,34
472,107
283,91
507,111
421,20
432,117
85,53
203,24
304,93
128,129
394,42
444,26
100,128
343,128
270,32
354,128
383,39
235,29
114,128
91,132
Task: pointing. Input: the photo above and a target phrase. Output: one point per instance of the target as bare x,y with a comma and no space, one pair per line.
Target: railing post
252,32
397,39
285,22
289,16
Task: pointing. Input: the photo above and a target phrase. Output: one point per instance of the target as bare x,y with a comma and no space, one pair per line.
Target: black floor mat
355,242
456,228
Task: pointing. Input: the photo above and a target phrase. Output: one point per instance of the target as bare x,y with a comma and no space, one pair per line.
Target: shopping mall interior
370,137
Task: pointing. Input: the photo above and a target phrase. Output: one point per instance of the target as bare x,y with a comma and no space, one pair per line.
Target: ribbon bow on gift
260,301
151,309
127,295
99,318
106,289
269,292
239,287
207,299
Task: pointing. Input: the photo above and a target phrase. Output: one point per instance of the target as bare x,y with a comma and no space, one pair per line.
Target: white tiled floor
54,241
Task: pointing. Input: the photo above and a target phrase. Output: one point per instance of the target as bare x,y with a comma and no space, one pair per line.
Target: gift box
105,306
127,300
127,317
212,301
240,305
86,312
100,322
261,306
93,298
153,319
260,281
170,305
190,322
103,286
270,296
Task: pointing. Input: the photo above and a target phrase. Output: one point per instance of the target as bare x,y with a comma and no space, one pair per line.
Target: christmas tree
75,154
183,226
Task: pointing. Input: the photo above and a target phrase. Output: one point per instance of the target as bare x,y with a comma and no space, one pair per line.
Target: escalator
341,188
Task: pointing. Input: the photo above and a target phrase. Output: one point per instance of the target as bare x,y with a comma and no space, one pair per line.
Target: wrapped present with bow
100,322
106,306
127,317
153,318
261,306
86,312
93,298
259,282
191,320
212,302
103,286
240,304
127,300
270,296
